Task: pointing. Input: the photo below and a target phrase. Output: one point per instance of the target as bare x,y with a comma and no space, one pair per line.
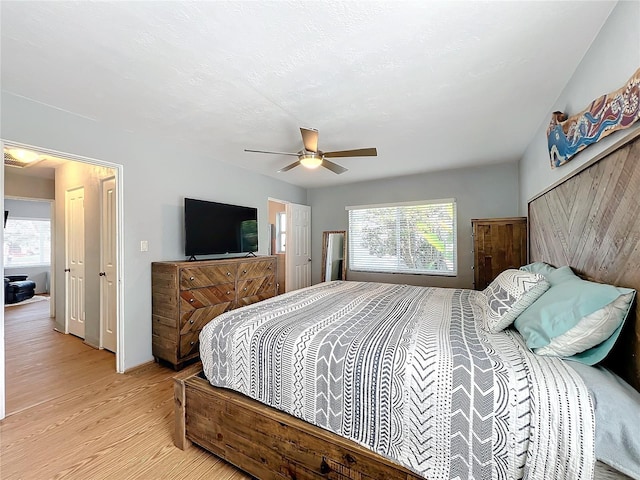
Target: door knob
67,269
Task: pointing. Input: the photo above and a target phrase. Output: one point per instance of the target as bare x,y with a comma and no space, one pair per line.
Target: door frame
2,355
119,177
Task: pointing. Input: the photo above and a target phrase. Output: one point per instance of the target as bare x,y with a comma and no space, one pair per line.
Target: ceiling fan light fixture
310,160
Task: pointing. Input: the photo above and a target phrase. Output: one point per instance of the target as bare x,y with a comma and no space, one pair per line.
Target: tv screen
213,228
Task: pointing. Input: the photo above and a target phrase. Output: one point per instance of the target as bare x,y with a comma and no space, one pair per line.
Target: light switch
144,246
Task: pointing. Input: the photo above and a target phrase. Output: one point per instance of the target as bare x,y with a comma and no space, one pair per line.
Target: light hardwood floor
70,416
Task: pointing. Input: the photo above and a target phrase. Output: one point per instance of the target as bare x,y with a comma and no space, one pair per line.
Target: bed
483,385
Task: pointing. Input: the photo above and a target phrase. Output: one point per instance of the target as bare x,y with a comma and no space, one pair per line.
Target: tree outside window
27,242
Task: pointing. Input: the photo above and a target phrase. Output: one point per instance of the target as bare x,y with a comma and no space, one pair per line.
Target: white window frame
281,232
6,239
362,261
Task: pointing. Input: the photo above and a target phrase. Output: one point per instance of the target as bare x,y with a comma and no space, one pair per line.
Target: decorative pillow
575,318
538,267
510,294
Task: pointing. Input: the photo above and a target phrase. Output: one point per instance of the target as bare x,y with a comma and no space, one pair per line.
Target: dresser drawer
202,297
260,268
256,289
197,277
199,317
192,323
189,344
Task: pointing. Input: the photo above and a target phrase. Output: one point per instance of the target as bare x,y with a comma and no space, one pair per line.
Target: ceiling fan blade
360,152
334,167
289,167
310,139
273,153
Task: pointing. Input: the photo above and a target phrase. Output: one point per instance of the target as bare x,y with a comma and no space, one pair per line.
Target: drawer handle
245,289
192,342
244,271
191,278
269,267
191,300
228,293
191,321
228,274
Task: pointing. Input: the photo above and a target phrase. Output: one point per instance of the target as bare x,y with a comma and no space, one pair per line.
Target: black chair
17,288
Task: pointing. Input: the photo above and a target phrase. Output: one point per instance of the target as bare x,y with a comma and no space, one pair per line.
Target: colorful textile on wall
615,111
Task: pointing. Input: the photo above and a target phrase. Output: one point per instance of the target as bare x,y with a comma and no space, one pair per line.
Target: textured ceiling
432,84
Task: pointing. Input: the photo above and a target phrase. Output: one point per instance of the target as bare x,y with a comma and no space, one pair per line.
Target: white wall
480,192
157,175
611,60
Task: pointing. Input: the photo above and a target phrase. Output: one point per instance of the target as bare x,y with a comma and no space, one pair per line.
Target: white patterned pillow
509,295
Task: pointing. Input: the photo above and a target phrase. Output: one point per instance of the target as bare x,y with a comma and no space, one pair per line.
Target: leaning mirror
334,255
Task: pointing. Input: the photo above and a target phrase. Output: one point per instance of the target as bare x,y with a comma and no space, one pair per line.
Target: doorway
103,170
290,241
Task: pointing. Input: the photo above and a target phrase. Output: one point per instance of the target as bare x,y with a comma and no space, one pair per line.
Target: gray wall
30,209
611,60
485,192
157,175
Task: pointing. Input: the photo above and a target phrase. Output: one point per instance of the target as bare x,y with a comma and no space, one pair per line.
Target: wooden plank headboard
591,222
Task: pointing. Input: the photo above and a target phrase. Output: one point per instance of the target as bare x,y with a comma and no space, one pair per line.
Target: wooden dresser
187,295
498,244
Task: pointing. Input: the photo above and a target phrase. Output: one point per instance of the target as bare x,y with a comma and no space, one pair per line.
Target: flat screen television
213,228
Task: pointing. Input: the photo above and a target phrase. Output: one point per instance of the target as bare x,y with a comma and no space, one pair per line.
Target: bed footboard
179,396
267,443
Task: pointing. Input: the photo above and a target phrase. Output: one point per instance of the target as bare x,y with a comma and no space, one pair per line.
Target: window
415,237
281,232
27,242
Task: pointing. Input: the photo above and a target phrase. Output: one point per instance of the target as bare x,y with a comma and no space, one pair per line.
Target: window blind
409,237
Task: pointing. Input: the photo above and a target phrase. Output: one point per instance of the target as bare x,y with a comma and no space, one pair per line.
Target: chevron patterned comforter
409,373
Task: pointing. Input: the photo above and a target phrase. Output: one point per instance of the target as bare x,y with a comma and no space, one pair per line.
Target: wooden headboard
591,222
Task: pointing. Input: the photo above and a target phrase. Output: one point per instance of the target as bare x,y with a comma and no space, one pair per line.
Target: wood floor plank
71,416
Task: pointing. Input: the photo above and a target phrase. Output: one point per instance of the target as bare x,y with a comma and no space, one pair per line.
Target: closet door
75,264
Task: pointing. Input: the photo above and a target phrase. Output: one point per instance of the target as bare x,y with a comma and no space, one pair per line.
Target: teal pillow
538,267
561,308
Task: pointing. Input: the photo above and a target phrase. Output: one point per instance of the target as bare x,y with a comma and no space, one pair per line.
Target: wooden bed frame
590,221
266,442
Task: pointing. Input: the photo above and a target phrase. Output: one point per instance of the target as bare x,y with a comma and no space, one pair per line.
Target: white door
75,263
108,273
298,261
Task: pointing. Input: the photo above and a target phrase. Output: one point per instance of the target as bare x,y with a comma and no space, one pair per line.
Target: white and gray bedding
410,373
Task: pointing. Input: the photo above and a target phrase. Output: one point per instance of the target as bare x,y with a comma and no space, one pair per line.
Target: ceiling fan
311,157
